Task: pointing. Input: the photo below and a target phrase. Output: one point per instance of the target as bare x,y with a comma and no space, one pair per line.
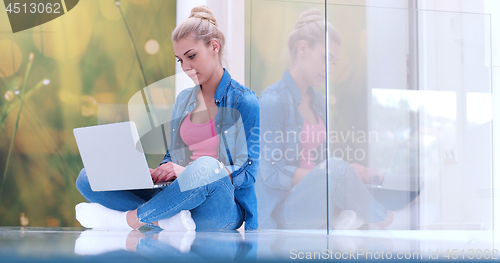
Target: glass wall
405,98
289,44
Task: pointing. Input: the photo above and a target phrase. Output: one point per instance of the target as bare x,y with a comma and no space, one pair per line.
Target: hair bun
308,16
203,12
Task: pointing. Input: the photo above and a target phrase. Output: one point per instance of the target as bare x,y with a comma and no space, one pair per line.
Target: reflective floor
77,244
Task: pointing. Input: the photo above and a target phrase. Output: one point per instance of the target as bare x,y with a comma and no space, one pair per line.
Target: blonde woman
213,129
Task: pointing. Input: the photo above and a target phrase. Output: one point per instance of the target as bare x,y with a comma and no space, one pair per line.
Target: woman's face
198,60
312,61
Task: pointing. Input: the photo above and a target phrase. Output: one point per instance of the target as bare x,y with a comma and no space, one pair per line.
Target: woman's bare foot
388,220
133,239
133,221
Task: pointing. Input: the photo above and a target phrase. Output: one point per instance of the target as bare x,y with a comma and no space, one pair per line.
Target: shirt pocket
229,134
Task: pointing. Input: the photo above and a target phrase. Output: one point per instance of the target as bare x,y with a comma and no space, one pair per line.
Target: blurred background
81,60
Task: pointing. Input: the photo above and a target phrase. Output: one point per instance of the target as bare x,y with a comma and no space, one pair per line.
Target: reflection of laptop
400,174
400,185
113,157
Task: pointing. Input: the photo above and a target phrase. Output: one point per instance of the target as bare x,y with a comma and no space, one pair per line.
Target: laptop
113,157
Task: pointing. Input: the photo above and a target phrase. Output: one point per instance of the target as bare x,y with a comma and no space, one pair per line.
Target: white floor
76,244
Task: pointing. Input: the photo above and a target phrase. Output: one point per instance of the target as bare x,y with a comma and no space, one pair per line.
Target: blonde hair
202,26
310,27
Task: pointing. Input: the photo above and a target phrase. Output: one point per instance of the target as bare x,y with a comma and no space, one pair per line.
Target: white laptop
113,157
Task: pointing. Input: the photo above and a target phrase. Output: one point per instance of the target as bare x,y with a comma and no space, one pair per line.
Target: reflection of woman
291,185
216,198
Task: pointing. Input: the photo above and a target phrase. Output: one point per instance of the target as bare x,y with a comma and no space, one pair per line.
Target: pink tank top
201,139
311,137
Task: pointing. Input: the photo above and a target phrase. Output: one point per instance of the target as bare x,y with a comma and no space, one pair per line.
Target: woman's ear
214,46
302,47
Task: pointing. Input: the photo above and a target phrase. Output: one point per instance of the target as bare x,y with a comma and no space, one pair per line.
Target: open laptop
113,157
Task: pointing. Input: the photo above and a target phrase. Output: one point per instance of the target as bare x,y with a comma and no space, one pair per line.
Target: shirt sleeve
168,158
274,170
245,168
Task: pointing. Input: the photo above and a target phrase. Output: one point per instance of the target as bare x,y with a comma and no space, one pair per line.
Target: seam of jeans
303,193
228,188
235,222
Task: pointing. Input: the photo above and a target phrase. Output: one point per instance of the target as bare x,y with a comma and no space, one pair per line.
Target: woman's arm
167,158
167,170
275,171
247,148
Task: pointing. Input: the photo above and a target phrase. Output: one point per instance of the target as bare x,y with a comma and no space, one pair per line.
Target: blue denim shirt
279,105
242,118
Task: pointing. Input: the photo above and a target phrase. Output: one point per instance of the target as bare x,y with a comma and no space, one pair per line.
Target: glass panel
357,198
410,100
455,137
287,69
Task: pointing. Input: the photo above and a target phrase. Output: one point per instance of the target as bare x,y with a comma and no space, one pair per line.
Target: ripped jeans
207,194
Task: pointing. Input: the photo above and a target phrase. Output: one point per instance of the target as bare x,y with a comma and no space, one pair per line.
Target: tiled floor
77,244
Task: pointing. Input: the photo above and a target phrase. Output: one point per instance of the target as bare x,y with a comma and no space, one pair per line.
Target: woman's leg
212,204
125,200
305,206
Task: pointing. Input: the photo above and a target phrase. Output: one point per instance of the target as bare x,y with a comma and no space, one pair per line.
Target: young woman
213,129
291,186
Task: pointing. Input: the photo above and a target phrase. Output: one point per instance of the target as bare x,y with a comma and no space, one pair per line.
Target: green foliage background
88,59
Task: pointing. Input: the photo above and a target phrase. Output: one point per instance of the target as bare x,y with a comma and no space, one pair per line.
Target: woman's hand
367,175
166,172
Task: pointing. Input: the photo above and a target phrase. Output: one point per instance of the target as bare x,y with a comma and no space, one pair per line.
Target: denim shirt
239,153
279,105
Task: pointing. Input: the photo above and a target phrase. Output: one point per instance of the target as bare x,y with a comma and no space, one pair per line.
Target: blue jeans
305,204
212,205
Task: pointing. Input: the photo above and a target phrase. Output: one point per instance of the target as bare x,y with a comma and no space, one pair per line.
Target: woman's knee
339,167
206,160
200,172
82,182
336,162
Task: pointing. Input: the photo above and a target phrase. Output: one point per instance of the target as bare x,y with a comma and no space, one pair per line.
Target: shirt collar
292,88
221,90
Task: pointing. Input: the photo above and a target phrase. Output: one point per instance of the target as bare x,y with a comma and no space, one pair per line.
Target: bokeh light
9,95
152,47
